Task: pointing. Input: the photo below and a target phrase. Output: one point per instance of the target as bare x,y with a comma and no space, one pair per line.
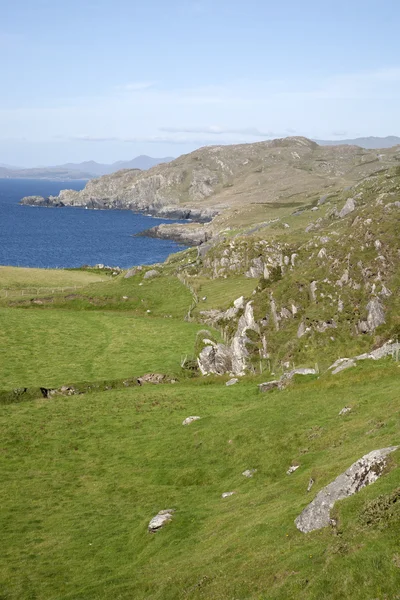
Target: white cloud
217,130
136,86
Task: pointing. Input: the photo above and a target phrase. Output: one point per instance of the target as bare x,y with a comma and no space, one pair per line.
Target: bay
72,237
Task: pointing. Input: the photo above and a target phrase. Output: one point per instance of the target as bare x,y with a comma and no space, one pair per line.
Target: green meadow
83,475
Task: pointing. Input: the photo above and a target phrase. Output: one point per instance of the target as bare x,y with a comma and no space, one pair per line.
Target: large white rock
163,517
361,473
347,208
189,420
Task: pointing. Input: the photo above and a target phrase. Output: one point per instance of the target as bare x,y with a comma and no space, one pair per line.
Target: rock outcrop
188,234
233,358
161,519
361,473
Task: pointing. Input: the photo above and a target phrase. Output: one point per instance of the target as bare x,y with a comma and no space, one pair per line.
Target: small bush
383,511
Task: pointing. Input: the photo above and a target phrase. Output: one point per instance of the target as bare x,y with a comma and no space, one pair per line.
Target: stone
269,385
239,302
132,272
232,382
361,473
154,378
313,289
227,494
150,274
215,358
124,297
292,469
161,519
376,314
249,473
310,484
341,364
344,411
301,330
323,199
300,371
190,420
348,208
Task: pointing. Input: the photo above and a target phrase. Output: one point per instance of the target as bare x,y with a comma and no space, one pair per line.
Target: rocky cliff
229,180
326,287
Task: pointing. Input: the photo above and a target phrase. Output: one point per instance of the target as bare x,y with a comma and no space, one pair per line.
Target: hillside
231,180
293,302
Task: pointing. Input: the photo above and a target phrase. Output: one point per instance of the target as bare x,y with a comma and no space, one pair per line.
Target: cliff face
322,289
218,179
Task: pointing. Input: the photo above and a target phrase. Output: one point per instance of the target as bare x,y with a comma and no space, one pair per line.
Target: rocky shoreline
189,234
70,198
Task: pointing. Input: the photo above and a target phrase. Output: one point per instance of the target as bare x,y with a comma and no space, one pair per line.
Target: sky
109,80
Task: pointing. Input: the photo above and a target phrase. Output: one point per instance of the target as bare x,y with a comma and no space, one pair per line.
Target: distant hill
84,170
140,162
370,143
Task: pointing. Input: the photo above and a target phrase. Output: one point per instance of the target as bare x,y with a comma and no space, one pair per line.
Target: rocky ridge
226,180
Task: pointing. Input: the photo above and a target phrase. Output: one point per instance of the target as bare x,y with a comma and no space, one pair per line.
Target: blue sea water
71,237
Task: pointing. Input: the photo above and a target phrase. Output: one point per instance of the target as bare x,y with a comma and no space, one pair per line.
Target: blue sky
102,80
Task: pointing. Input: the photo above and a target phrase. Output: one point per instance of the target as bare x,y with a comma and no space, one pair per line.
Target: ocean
72,237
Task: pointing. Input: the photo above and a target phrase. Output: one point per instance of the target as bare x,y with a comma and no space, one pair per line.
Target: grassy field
83,476
20,278
54,347
219,293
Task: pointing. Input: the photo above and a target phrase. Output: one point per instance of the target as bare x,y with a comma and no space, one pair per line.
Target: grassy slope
84,475
54,347
19,278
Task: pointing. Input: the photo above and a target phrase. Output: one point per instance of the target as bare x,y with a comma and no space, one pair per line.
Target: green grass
220,293
20,278
164,296
82,477
55,347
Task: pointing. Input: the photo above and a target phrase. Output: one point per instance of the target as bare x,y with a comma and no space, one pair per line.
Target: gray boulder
163,517
132,272
362,473
341,364
189,420
269,385
232,382
376,314
215,358
150,274
227,494
347,208
249,473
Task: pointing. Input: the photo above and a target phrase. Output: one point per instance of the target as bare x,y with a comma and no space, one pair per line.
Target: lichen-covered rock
154,378
161,519
269,385
376,314
150,274
132,272
341,364
249,473
190,420
361,473
348,208
215,358
227,494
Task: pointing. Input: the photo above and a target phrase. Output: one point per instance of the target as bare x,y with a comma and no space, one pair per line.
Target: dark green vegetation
83,476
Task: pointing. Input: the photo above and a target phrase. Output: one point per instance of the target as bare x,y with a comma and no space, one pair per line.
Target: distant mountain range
91,169
369,143
85,170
